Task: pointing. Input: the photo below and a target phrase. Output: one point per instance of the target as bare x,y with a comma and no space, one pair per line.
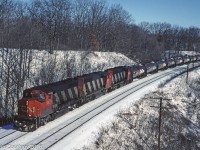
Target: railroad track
6,133
9,138
56,134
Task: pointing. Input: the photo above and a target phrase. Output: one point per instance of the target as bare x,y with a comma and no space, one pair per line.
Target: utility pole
160,121
160,117
187,73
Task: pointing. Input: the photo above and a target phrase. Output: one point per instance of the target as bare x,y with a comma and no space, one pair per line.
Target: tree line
91,25
88,25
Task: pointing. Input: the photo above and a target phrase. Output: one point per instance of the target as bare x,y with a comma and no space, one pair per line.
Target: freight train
44,103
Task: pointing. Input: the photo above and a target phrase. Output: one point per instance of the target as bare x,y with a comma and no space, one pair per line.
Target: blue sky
184,13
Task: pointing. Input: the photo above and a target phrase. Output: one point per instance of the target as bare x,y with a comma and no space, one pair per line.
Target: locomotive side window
41,98
27,94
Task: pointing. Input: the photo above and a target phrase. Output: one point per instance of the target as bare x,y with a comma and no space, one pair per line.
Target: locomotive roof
67,83
51,87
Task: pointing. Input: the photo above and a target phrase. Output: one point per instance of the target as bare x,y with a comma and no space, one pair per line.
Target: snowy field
137,126
87,133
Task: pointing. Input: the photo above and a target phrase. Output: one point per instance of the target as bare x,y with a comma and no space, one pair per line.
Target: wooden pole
160,121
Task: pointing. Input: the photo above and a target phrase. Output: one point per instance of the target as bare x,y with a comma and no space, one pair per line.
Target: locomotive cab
38,103
33,110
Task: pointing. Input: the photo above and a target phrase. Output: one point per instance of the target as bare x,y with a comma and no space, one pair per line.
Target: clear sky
184,13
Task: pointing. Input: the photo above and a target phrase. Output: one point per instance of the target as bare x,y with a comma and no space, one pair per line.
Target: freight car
151,67
44,103
170,62
197,57
193,58
137,71
186,59
161,65
142,71
178,60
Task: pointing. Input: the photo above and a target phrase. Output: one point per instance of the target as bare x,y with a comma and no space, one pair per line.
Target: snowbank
73,63
137,126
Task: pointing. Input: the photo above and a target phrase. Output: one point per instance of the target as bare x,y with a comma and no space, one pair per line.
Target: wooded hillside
88,25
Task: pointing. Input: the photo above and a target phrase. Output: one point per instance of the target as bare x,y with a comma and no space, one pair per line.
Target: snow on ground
65,64
87,134
137,126
80,62
184,93
189,52
170,53
106,59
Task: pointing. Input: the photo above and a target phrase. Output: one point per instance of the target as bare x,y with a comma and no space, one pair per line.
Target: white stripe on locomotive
101,82
89,87
119,77
85,89
70,93
115,78
98,83
64,95
94,85
76,91
57,98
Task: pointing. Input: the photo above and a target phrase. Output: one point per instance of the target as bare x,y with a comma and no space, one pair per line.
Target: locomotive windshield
36,95
27,94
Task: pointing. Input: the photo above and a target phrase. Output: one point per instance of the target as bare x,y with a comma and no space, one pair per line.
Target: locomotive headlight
29,115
